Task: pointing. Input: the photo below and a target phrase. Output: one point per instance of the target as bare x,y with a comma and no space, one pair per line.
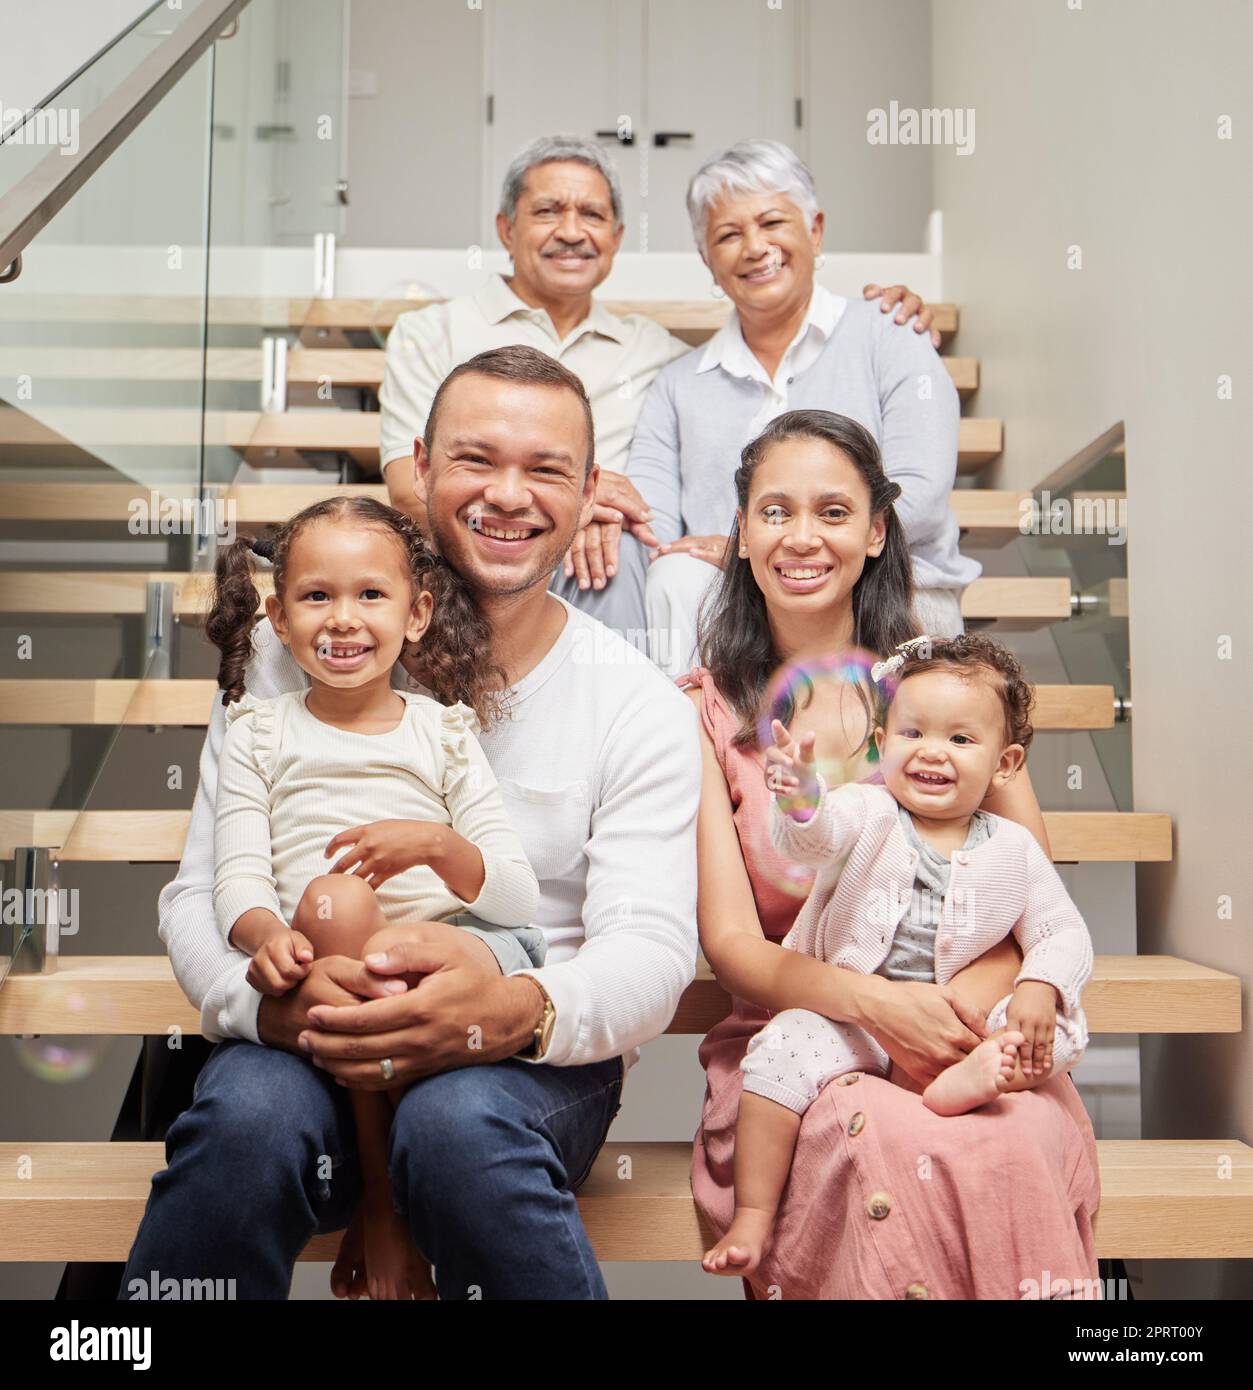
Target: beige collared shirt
616,359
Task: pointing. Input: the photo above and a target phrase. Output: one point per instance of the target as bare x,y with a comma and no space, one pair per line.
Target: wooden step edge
188,703
152,837
1013,600
138,995
1160,1199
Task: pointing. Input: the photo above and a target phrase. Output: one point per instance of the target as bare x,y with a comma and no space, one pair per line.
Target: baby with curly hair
913,882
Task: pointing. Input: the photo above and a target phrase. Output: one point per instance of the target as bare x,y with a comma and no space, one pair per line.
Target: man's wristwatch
538,1045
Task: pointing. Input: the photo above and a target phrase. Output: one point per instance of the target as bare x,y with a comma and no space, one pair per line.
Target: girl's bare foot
395,1267
348,1273
740,1250
979,1077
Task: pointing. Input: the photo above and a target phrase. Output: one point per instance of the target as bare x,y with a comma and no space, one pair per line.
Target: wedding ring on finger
388,1070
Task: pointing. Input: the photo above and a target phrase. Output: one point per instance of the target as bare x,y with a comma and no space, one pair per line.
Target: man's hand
911,304
455,1012
711,548
616,493
385,848
337,980
593,554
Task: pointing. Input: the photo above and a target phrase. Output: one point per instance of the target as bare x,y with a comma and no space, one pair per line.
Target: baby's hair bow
894,663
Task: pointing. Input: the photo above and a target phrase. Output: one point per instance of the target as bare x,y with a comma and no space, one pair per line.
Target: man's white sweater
599,766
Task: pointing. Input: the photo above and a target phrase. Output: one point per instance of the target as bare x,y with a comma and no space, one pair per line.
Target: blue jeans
485,1161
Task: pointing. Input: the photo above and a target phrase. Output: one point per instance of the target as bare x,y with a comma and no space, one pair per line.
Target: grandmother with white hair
789,344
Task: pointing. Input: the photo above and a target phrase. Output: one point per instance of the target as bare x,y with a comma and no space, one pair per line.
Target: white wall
417,110
44,43
1098,128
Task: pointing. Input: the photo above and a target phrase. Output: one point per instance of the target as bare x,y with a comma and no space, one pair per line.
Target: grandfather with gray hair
560,219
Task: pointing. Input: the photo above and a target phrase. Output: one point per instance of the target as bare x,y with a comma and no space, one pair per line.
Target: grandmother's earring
717,291
820,260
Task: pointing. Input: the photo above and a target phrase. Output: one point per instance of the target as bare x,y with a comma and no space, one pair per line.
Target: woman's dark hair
735,640
972,654
452,649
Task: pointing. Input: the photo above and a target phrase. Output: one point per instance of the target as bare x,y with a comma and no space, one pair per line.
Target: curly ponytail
231,616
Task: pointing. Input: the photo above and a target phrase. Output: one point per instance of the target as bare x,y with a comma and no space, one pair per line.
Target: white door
558,67
680,79
717,71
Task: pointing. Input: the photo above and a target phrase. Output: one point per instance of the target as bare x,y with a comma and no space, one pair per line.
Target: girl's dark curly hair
452,650
972,654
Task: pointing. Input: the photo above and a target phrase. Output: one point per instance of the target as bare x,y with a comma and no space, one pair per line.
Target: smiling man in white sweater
516,1078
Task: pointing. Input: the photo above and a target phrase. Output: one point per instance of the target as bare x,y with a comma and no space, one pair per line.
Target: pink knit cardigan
866,876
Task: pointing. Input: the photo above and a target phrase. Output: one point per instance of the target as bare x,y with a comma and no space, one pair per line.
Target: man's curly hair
973,654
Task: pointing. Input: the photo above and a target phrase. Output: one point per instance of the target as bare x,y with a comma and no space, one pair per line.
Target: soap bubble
66,1057
796,687
381,309
62,1058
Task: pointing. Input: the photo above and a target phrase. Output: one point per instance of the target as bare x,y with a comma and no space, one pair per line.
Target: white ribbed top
289,783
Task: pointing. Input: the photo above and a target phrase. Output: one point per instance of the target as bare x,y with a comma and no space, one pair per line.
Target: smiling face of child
944,746
348,604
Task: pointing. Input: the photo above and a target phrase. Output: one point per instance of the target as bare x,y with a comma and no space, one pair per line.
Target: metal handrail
29,206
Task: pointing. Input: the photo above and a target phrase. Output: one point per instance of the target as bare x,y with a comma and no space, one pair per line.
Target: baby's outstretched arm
791,772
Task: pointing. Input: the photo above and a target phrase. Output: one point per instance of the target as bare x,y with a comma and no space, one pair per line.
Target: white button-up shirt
728,350
615,357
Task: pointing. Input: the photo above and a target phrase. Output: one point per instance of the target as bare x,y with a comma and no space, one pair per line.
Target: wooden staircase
1160,1199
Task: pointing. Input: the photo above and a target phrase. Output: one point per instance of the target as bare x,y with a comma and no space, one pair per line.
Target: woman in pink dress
886,1199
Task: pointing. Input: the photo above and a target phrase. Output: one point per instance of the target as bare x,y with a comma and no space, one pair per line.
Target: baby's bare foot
740,1250
396,1268
979,1077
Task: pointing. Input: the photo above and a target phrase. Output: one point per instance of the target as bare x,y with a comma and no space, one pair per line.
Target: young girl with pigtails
392,783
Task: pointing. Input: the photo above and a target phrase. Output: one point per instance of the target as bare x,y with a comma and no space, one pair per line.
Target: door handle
662,138
627,139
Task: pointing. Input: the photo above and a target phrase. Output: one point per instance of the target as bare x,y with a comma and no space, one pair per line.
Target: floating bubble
381,310
63,1058
793,689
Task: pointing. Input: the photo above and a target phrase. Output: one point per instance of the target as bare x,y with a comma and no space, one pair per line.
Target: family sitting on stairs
418,713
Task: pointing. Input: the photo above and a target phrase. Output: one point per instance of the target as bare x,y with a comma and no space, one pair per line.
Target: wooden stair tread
136,995
188,703
1160,1199
152,837
347,366
693,320
280,438
1015,602
986,518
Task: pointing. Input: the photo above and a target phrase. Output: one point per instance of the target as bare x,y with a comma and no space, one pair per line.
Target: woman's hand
1033,1012
711,548
280,963
791,772
385,848
923,1028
